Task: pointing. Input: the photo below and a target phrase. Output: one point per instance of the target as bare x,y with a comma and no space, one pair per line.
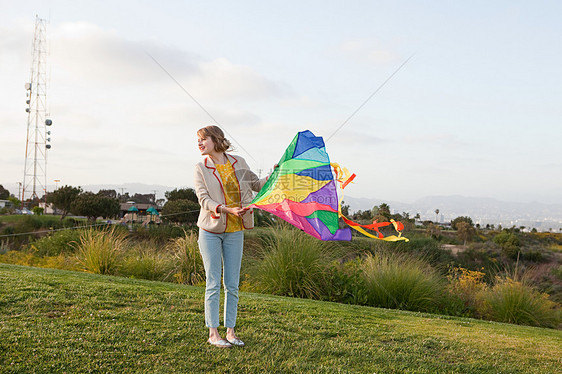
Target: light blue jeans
216,250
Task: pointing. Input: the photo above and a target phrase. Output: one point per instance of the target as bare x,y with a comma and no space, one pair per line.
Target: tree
181,211
384,210
93,205
433,230
63,198
108,193
146,198
160,203
465,231
364,215
460,219
344,209
381,213
4,193
182,194
509,243
123,197
15,201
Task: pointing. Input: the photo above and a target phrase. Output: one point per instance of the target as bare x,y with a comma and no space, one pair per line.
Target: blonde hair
217,135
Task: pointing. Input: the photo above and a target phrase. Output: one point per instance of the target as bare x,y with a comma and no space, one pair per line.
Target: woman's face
206,145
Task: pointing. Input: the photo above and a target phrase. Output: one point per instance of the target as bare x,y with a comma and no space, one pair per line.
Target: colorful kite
302,190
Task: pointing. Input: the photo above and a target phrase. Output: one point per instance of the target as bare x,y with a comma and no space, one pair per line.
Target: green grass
61,321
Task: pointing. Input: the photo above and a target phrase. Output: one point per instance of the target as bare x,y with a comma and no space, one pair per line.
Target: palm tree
437,215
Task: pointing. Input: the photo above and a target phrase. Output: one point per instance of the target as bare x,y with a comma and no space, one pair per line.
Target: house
124,208
128,213
5,204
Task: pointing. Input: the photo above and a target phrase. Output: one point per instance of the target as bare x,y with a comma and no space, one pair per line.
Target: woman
223,184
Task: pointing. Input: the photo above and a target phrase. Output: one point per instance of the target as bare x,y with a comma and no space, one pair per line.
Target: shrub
293,264
400,281
557,272
8,230
99,251
147,261
160,233
181,211
467,286
28,259
55,244
427,249
533,255
4,246
345,283
28,224
515,302
509,243
188,264
460,219
69,222
483,257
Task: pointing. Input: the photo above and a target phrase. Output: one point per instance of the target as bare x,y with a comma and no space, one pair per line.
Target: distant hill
481,210
132,188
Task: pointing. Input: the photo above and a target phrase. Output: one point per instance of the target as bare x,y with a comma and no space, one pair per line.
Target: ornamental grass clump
147,260
188,264
513,301
293,263
99,251
401,282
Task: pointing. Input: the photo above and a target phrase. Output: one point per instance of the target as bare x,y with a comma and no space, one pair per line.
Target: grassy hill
60,321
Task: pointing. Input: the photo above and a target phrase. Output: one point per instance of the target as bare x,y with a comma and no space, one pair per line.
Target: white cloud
15,42
367,50
84,53
441,139
222,79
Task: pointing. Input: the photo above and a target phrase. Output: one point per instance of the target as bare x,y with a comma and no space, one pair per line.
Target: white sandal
237,342
222,343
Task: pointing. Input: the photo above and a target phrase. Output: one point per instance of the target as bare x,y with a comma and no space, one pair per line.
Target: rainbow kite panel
302,190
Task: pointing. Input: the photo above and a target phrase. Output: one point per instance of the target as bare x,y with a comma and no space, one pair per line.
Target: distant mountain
132,188
481,210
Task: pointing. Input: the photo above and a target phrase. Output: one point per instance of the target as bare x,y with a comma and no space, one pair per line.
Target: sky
476,111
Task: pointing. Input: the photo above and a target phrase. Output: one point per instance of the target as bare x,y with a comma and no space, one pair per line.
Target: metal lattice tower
36,145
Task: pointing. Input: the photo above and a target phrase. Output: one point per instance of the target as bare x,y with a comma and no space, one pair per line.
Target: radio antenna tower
37,142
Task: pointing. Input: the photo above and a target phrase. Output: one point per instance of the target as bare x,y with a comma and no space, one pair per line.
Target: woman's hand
237,211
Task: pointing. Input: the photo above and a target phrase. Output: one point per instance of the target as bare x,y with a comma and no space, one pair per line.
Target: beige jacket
210,192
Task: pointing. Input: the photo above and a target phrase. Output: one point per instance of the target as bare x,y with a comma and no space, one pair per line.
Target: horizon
545,217
475,112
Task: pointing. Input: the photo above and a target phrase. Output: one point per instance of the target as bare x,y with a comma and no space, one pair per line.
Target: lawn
61,321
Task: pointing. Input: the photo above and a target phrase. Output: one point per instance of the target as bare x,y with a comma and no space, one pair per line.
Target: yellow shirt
231,194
